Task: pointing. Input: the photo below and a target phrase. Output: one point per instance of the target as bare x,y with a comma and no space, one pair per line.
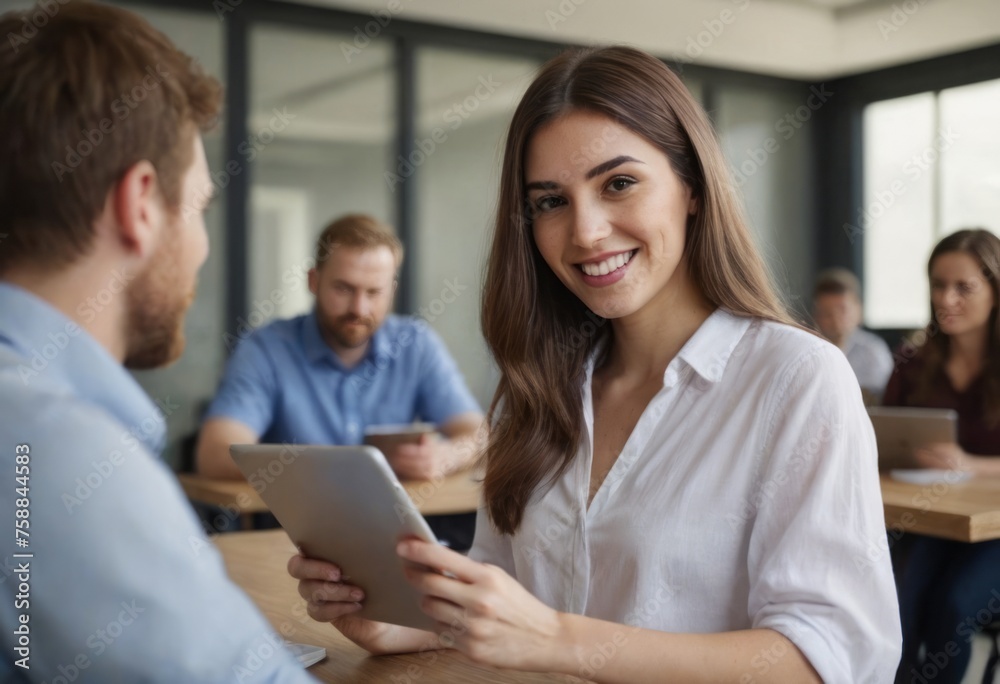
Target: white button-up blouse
747,496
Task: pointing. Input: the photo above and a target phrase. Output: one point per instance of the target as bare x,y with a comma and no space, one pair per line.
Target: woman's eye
548,203
620,183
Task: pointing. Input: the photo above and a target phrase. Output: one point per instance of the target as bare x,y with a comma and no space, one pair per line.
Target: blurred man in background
838,314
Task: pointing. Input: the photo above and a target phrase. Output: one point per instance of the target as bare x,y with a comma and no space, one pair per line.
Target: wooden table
256,561
965,511
458,493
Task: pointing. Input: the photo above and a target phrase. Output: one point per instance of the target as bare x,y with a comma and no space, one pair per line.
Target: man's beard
350,336
155,312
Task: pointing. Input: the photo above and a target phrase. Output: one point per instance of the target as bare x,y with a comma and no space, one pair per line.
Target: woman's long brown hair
984,247
540,334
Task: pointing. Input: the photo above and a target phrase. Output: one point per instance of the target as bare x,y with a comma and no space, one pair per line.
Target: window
465,100
931,167
321,138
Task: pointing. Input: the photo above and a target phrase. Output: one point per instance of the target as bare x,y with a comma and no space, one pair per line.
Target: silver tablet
899,431
343,505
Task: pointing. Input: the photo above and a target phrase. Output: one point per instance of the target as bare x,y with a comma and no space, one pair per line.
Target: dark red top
974,434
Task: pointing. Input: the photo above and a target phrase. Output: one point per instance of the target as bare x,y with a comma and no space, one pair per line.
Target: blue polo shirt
285,383
120,583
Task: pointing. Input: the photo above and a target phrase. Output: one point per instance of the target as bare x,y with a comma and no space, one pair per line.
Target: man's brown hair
837,281
360,231
84,96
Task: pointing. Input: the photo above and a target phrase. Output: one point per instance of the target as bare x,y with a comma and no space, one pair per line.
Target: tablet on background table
387,437
900,431
344,504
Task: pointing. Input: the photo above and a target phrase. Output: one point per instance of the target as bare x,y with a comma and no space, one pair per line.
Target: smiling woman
678,478
944,584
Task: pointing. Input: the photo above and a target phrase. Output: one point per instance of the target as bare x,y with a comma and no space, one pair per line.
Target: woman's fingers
330,610
303,568
441,558
450,616
316,591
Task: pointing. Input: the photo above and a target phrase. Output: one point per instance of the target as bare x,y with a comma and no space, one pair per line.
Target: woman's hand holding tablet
330,599
480,609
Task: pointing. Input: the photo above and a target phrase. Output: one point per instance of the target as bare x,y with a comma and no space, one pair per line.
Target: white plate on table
929,476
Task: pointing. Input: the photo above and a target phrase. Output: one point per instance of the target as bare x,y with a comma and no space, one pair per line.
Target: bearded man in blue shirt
323,377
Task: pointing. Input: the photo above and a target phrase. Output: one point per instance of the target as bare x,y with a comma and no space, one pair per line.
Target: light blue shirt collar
58,351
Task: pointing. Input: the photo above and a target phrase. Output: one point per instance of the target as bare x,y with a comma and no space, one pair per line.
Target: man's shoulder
45,410
870,340
282,328
30,394
403,329
278,332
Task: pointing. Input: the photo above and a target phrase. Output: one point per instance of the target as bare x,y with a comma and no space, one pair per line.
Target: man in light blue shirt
323,377
107,576
838,314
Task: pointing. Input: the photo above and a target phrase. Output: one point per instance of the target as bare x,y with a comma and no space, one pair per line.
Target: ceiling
804,39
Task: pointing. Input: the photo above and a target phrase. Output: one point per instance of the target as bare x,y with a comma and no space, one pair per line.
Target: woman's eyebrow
610,164
603,167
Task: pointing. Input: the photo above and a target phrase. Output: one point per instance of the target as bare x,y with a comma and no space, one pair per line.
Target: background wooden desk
256,561
966,511
458,493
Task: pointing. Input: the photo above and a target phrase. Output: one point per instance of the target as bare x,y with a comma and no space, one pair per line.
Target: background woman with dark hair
678,479
944,586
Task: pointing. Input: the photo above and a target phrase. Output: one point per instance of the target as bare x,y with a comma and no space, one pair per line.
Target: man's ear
313,280
139,209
